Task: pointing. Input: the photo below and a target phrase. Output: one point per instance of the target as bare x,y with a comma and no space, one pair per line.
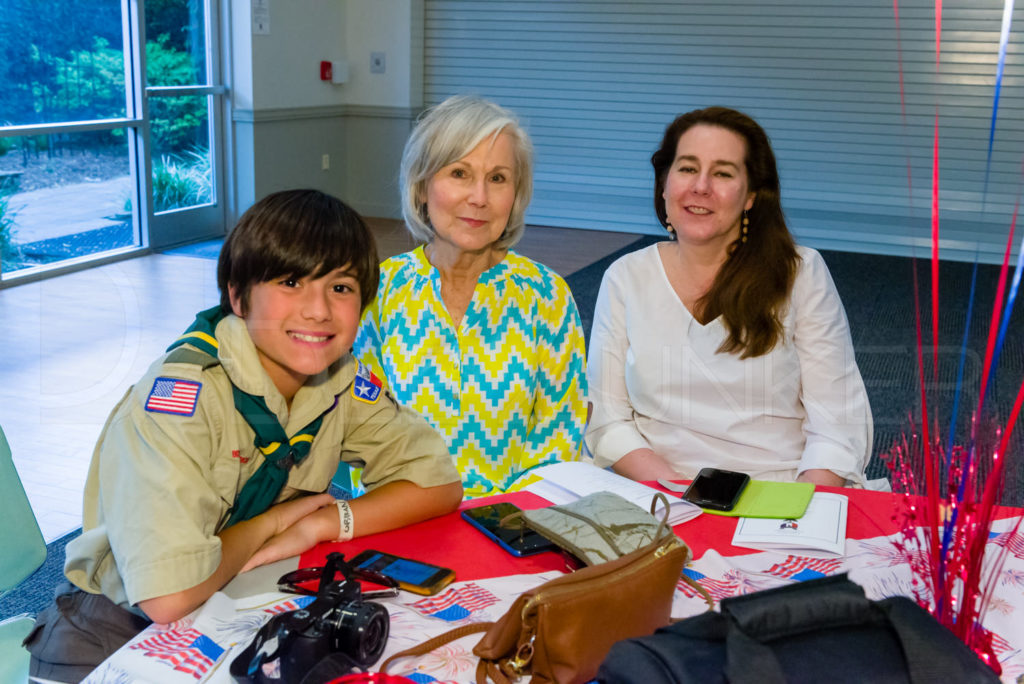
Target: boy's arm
238,544
161,482
407,471
387,507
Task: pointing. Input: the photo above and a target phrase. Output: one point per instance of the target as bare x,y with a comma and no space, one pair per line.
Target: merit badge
173,396
367,387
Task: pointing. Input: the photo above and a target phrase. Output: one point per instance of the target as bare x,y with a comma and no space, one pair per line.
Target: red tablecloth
451,542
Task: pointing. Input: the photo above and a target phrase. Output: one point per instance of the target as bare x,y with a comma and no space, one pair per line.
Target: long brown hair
752,286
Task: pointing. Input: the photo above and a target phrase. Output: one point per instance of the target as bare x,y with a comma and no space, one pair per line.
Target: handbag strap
664,530
440,640
487,668
695,585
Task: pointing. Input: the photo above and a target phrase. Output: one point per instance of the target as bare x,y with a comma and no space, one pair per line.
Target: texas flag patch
367,387
170,395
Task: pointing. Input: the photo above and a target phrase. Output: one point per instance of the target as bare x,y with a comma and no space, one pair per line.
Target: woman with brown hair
727,346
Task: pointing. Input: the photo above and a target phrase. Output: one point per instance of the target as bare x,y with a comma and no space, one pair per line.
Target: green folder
764,499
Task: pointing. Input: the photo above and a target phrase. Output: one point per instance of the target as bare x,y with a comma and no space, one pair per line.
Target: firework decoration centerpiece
952,490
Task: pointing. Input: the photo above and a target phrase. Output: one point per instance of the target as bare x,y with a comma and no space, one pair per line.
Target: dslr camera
338,633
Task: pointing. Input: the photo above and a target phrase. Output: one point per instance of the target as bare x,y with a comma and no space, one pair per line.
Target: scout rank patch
170,395
367,387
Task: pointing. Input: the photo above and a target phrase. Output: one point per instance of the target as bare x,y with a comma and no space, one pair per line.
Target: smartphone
517,540
716,489
411,575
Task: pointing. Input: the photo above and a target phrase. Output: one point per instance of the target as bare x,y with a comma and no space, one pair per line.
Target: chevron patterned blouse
507,388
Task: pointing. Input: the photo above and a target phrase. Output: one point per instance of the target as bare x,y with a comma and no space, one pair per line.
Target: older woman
726,346
482,341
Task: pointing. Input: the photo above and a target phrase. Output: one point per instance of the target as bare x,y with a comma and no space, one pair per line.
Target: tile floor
71,347
73,344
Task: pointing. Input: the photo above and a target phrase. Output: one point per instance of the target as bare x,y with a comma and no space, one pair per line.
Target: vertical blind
596,83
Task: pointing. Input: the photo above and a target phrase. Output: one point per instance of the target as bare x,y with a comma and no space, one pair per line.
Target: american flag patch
456,604
189,651
173,396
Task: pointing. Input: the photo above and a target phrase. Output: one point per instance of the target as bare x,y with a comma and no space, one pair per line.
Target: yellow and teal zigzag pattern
507,389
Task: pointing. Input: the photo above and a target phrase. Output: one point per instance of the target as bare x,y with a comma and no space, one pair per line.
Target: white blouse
657,381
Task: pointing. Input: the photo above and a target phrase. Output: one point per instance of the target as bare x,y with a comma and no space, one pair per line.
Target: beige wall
284,119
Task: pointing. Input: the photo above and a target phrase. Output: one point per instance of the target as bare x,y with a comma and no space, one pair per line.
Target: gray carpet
36,592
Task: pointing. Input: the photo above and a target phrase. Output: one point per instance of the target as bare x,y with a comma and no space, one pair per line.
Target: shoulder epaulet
193,357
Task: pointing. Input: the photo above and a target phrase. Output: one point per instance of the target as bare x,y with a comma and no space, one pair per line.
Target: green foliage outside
182,181
88,83
71,68
174,121
9,250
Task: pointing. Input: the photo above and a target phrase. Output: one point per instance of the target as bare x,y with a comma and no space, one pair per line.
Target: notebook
561,483
764,499
819,533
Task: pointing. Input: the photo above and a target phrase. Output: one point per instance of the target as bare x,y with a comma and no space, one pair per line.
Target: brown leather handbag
562,630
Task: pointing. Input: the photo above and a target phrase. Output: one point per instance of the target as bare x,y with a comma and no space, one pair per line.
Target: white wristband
346,526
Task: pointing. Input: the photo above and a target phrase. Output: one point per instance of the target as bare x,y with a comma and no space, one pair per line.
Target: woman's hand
644,464
821,476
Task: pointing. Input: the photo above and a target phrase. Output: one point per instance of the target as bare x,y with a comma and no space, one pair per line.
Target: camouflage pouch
599,527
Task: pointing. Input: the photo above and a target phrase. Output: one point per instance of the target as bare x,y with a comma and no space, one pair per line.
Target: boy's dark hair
296,233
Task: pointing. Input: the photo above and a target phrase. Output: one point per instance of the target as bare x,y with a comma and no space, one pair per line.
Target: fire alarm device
325,71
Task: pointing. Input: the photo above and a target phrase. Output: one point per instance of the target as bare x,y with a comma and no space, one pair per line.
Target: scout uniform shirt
170,463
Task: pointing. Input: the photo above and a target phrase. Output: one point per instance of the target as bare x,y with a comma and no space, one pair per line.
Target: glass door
97,162
68,125
184,103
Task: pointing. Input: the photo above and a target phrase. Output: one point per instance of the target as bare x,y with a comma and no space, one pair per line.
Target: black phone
517,540
411,575
716,489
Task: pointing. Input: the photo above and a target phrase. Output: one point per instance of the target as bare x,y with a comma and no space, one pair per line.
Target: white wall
284,119
286,63
394,27
239,52
281,70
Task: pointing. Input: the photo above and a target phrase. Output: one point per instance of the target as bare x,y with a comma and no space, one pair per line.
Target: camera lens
361,631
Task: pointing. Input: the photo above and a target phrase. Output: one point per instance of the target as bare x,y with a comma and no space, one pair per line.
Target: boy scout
216,460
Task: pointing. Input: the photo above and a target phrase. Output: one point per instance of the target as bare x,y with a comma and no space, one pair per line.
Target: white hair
445,134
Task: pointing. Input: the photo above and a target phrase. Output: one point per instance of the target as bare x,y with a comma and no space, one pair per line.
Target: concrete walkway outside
68,209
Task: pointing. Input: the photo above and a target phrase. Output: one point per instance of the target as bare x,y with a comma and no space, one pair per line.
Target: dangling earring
670,229
745,228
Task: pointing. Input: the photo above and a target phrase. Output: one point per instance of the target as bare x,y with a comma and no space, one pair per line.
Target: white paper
200,648
820,532
571,480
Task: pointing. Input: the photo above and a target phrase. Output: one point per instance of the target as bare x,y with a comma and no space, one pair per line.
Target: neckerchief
280,452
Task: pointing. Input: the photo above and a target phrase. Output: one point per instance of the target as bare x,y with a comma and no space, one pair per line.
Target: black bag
822,630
